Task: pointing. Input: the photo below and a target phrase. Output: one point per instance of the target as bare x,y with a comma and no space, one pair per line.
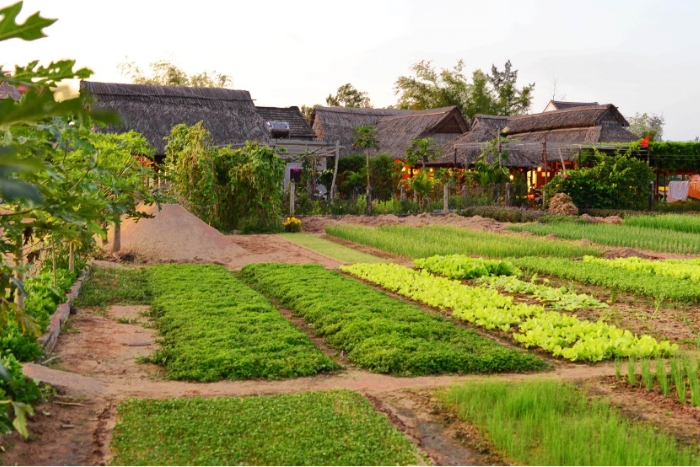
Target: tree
421,150
489,94
367,137
306,110
164,73
509,99
650,125
348,96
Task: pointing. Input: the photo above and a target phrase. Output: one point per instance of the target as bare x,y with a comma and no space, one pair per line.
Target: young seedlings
647,376
618,367
662,377
691,370
678,376
631,377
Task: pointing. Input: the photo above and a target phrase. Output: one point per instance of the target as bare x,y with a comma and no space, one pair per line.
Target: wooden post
334,188
117,243
53,260
105,226
291,199
445,199
508,194
465,194
403,192
651,197
71,257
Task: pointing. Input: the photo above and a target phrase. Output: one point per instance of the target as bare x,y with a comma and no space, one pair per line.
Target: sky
640,55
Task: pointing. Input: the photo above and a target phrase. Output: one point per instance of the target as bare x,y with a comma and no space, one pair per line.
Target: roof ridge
553,112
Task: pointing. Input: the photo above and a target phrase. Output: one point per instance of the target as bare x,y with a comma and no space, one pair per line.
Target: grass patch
214,327
421,242
638,282
380,333
109,286
631,236
342,253
554,423
677,222
310,428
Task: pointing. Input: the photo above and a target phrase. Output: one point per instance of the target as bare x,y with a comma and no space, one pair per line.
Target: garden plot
560,334
214,327
312,428
554,423
380,333
421,242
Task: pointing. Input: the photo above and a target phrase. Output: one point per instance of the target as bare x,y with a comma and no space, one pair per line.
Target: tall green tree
650,125
165,73
495,94
348,96
367,138
421,150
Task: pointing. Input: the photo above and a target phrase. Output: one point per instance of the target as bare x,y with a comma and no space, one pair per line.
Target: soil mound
175,235
561,204
627,253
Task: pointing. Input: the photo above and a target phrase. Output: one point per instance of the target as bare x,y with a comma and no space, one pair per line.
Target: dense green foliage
682,269
554,423
110,286
309,428
635,282
560,334
466,267
214,327
618,235
421,242
676,222
18,393
674,155
227,188
334,250
380,333
613,182
384,174
684,375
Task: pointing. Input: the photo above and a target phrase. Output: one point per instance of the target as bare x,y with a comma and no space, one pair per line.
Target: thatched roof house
299,128
562,130
229,115
396,127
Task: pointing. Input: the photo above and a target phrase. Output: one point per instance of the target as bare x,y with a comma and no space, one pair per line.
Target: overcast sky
640,55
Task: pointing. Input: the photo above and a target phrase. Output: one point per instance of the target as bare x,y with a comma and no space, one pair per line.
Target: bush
292,224
614,182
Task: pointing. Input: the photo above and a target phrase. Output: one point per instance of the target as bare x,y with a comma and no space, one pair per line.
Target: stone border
48,340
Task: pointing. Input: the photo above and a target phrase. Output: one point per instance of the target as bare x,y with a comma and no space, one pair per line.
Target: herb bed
215,327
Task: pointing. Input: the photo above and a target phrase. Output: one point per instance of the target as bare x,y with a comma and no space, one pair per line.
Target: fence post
445,199
117,243
291,199
403,192
465,194
508,195
651,198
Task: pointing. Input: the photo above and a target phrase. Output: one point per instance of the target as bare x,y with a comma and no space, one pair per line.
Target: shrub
292,224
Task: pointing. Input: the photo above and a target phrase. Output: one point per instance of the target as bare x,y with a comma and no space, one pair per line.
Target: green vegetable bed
215,327
311,428
554,423
421,242
331,249
380,333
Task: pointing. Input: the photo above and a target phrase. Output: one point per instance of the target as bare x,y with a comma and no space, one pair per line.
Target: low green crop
309,428
560,334
618,235
214,327
380,333
602,275
555,423
673,222
421,242
465,267
108,286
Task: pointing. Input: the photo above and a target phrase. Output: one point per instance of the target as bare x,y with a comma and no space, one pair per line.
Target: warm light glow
403,169
539,169
431,170
511,177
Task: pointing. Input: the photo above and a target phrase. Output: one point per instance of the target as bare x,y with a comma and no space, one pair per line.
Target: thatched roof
336,123
576,117
298,126
562,130
396,132
396,127
229,115
563,105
